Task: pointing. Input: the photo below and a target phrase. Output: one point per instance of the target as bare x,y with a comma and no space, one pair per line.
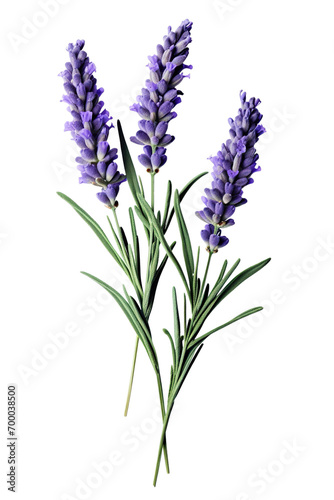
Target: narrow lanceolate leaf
142,218
138,313
97,230
210,304
177,332
186,243
141,186
158,230
222,272
151,274
198,341
171,380
134,275
185,314
118,243
167,203
155,282
244,275
187,366
172,346
135,240
131,176
128,311
128,164
183,192
206,292
195,277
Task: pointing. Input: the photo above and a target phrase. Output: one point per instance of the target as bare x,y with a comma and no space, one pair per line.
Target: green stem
163,413
131,377
161,396
199,297
162,441
121,241
137,338
117,223
152,191
205,276
170,405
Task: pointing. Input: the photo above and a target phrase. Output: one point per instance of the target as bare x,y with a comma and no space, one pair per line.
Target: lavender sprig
233,168
157,101
89,126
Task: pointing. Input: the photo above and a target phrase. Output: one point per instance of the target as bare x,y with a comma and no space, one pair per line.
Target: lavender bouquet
233,168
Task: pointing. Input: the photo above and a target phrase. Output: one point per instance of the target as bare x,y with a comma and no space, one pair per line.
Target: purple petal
103,198
145,161
143,137
205,236
156,160
102,150
214,240
161,129
88,155
111,170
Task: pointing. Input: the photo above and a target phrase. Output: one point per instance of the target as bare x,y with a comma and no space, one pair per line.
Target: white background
255,387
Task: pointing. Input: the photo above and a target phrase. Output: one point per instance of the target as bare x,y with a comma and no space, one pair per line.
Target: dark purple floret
233,166
213,239
157,101
108,195
89,126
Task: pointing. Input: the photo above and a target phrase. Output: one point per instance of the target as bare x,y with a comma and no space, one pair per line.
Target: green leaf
157,275
138,313
185,314
158,230
195,286
213,302
172,345
141,186
124,239
97,230
151,274
167,203
186,243
142,218
128,164
177,332
206,292
254,310
171,380
244,275
187,366
135,279
135,240
183,192
118,243
135,184
219,284
129,313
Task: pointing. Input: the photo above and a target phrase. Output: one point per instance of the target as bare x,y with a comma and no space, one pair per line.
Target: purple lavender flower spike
156,104
233,168
89,126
